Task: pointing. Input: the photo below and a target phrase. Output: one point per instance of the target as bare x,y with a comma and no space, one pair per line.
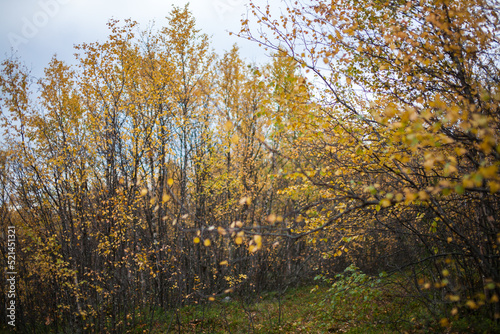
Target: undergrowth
349,302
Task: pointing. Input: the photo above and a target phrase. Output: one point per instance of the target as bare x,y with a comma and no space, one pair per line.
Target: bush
353,297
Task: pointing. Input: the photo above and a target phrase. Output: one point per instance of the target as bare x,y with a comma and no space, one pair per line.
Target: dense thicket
156,173
408,154
136,179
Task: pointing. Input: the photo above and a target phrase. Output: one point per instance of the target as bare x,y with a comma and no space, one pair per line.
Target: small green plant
353,297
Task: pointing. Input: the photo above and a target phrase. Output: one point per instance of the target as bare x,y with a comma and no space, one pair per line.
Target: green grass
350,303
300,310
294,312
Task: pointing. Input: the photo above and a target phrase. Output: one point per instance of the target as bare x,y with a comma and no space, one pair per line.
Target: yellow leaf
489,172
271,218
385,202
460,151
471,304
444,322
228,126
170,182
196,240
235,139
207,242
423,195
258,241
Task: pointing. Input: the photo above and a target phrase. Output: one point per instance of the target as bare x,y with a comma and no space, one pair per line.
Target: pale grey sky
38,29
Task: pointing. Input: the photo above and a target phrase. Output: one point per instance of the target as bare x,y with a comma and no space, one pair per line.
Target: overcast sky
37,29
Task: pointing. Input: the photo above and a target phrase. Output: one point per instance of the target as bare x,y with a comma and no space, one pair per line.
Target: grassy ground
300,310
350,303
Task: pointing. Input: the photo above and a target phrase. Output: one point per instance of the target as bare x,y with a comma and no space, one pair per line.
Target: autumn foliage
156,173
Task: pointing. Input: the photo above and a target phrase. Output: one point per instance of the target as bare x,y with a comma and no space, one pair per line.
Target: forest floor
355,308
306,310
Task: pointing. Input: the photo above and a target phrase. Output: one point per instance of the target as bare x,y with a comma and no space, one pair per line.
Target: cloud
39,28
